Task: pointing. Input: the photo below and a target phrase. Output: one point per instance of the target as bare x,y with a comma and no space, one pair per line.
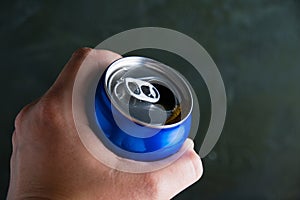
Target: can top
148,92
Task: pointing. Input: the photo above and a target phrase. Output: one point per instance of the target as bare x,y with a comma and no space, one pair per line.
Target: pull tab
142,90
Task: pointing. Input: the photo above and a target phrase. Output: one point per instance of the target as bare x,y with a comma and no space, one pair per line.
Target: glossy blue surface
166,142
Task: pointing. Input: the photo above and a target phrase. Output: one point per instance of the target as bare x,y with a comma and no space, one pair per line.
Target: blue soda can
143,108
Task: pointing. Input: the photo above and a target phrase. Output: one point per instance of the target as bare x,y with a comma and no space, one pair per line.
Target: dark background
255,44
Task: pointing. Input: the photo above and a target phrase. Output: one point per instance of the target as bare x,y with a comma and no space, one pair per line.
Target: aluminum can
143,108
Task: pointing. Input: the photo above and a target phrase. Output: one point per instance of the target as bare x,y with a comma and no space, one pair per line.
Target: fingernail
190,143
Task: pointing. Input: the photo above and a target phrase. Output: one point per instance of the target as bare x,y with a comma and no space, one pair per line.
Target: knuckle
19,119
48,111
21,116
81,52
14,139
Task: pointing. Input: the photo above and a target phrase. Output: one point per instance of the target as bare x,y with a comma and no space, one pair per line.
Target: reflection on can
143,107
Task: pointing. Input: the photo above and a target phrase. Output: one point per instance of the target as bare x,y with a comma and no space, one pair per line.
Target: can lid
142,90
148,92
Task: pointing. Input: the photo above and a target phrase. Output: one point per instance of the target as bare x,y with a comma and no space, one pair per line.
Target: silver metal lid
148,92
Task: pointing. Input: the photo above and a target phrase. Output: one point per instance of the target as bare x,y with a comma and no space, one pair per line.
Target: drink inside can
143,108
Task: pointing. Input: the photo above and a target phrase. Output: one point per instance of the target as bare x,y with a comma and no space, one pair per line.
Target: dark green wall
255,44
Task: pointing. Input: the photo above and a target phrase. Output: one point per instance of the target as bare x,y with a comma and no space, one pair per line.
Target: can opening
148,92
167,105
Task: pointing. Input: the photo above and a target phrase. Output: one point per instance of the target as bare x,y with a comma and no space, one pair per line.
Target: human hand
50,162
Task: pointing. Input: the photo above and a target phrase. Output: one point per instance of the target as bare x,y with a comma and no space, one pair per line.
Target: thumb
181,174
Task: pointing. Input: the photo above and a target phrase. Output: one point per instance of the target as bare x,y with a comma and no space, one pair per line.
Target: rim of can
119,63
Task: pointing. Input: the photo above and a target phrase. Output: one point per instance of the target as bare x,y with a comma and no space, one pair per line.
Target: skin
49,161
